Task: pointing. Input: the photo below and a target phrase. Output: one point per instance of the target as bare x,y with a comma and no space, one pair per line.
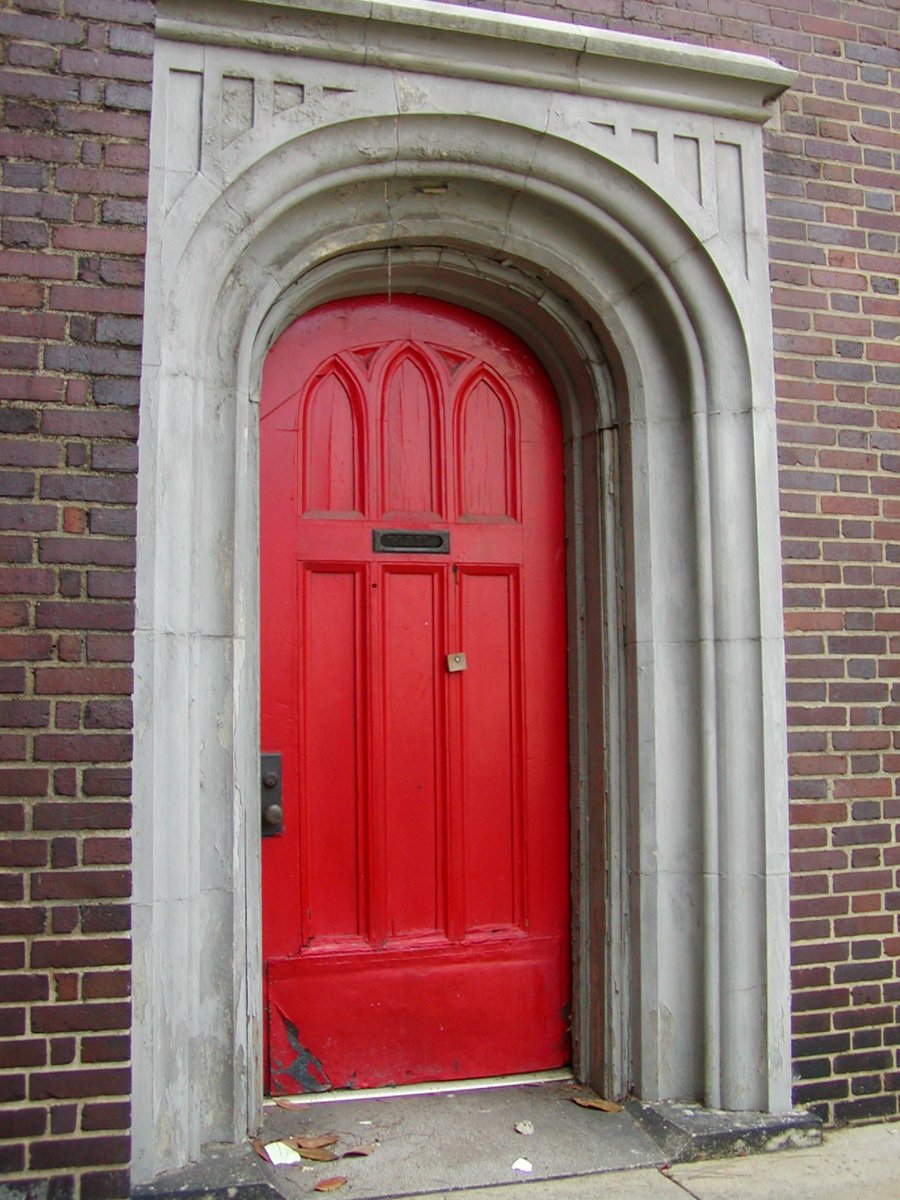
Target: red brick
59,814
81,1151
23,852
101,239
36,264
106,985
95,1017
88,550
83,681
88,298
23,1052
102,181
84,952
109,1048
23,1122
110,1115
23,781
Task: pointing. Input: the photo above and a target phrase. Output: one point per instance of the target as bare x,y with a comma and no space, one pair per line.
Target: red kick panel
416,916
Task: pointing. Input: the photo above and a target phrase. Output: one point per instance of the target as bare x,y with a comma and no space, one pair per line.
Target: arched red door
416,904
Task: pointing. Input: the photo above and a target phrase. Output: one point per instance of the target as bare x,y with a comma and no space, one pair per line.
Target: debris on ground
292,1151
332,1184
524,1127
608,1106
523,1165
317,1154
307,1141
279,1154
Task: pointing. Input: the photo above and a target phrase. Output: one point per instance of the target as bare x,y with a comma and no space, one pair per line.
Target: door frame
526,169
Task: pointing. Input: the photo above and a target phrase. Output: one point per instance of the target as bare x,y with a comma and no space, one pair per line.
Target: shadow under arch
648,334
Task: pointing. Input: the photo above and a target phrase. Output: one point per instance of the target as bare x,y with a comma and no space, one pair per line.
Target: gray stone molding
625,242
459,42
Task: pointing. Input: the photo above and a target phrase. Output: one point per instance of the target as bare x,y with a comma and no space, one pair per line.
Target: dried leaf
288,1101
524,1127
332,1184
316,1154
312,1141
359,1151
260,1149
608,1106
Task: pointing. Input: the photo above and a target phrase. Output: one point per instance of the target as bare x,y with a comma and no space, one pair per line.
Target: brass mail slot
410,541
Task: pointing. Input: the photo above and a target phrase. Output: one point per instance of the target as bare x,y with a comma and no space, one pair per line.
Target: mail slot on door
410,541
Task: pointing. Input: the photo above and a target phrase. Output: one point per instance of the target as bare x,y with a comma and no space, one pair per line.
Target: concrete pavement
860,1163
467,1144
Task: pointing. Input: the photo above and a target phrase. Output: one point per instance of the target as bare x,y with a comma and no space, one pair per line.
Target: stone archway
644,294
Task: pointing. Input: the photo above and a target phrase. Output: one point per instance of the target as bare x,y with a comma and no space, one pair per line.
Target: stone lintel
447,39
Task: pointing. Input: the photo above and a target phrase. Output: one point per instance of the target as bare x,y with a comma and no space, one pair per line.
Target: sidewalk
860,1163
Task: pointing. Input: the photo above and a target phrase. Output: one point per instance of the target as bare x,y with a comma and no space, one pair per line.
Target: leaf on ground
316,1154
313,1141
332,1184
260,1149
359,1151
288,1101
608,1106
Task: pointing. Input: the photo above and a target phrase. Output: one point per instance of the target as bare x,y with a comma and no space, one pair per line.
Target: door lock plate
271,807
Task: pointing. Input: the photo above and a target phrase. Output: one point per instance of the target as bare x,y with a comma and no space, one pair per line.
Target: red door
416,914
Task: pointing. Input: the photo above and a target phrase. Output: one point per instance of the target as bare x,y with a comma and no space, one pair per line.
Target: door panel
491,745
332,638
414,752
416,918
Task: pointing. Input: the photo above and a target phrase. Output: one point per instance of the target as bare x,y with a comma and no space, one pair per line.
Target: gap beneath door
563,1074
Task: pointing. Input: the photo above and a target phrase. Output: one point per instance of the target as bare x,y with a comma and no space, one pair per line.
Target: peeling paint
306,1067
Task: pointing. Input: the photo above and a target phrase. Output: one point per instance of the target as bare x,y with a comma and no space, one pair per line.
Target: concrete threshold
434,1140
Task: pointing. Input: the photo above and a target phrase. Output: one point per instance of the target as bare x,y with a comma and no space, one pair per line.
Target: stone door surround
602,195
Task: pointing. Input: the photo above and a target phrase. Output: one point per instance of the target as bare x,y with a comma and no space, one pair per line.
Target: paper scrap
282,1155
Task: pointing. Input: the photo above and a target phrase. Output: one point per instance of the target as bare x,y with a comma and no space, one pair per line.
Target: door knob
272,815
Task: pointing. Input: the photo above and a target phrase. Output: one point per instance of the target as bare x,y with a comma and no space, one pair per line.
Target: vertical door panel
332,770
413,751
491,774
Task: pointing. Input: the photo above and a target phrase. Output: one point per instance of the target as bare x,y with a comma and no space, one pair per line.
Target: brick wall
833,179
74,86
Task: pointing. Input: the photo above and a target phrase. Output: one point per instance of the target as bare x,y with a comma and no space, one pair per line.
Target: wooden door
416,905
